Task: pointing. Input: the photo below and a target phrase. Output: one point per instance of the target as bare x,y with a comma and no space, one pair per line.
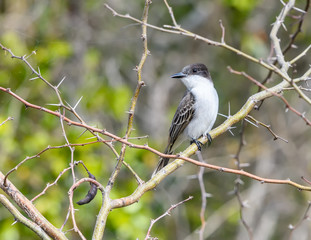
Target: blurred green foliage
96,52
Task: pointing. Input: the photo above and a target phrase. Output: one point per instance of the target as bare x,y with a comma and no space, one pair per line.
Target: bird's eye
195,70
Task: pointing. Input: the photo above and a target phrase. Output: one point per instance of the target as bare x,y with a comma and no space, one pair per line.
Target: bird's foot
209,137
198,143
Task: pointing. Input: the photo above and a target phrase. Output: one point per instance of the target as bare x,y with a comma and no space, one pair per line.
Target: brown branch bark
30,209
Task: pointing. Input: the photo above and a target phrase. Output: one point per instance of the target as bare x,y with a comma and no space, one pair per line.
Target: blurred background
96,52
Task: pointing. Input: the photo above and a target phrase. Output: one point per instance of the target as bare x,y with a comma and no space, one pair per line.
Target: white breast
206,106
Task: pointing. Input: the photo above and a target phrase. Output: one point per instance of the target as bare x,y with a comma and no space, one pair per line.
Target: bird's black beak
179,75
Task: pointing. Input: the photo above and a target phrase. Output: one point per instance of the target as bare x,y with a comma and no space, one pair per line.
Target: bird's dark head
194,69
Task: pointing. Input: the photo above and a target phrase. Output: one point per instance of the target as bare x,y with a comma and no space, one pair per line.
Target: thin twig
275,93
66,220
223,32
48,185
275,136
203,196
140,84
170,10
55,88
238,182
34,71
304,52
167,213
306,180
43,151
181,31
275,40
72,149
8,119
301,87
304,218
20,218
104,211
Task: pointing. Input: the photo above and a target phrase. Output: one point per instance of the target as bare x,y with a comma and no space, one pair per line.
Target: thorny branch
275,136
290,45
242,113
274,93
204,195
278,51
275,41
41,152
48,185
181,31
72,149
239,182
105,209
140,84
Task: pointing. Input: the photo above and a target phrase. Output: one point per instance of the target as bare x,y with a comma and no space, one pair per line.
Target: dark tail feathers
163,161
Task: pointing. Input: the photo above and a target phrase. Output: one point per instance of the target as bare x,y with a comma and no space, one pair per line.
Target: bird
196,112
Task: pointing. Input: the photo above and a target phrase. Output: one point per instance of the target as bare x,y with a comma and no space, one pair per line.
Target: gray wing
181,119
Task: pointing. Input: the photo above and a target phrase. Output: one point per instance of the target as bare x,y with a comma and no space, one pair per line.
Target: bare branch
30,209
8,119
140,84
20,218
104,211
273,35
306,180
304,218
292,40
274,93
238,182
241,114
48,185
267,127
304,52
204,195
167,213
223,31
72,149
37,73
170,10
180,31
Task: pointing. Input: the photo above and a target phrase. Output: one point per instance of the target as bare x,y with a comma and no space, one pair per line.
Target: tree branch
167,213
30,209
20,218
241,114
104,211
